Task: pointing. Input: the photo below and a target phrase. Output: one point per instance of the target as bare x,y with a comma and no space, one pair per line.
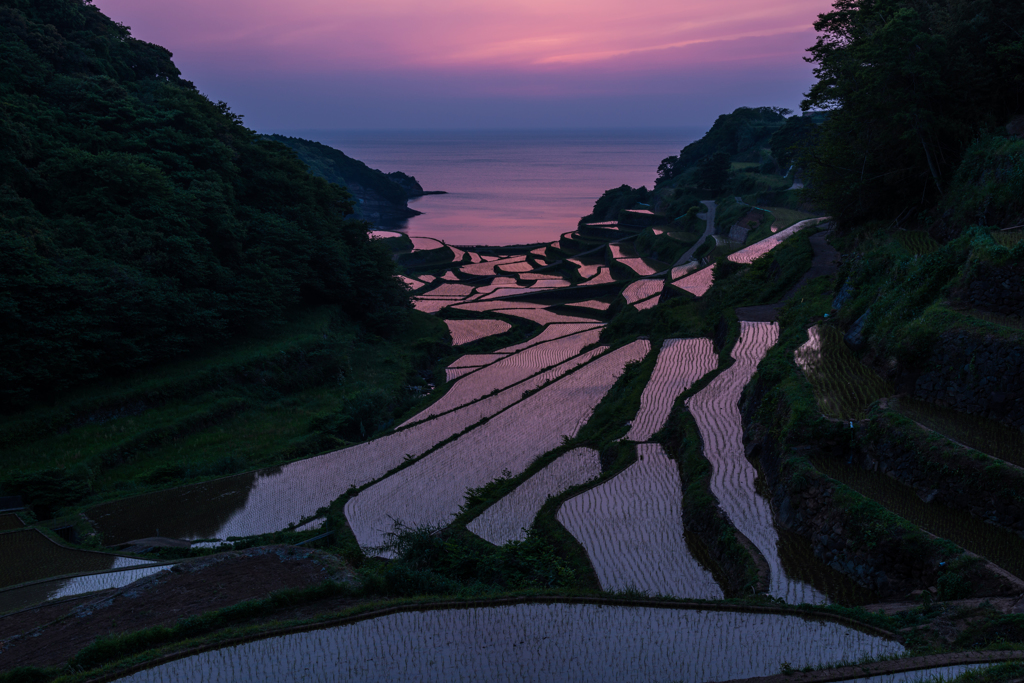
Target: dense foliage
740,135
911,84
337,167
139,219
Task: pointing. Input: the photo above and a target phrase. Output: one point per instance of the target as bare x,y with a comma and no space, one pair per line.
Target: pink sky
297,64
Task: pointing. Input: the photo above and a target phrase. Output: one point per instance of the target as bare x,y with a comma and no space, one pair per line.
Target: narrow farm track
631,527
708,231
716,411
508,371
432,490
681,362
508,519
825,262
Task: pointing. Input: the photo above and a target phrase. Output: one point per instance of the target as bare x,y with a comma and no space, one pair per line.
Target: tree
910,83
714,172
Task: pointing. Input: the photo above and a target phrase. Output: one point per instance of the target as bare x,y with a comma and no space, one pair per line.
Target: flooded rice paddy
681,362
509,370
642,289
843,386
716,411
431,490
698,283
535,642
509,518
759,249
42,558
632,529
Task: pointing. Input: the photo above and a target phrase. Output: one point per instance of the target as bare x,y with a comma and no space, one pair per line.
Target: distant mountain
381,198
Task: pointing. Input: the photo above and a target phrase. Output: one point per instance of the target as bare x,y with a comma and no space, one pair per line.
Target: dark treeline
911,86
138,219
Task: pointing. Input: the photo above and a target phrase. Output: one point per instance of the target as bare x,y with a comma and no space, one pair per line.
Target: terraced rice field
995,544
549,284
585,271
759,249
1008,239
450,289
642,289
603,276
936,675
543,316
549,333
410,283
647,303
715,409
620,251
432,305
451,374
508,519
487,268
534,643
843,385
539,276
457,255
468,331
596,305
981,434
632,529
681,271
681,362
519,267
427,278
699,283
503,292
475,360
278,497
40,558
484,306
638,266
474,257
917,242
509,370
431,491
425,243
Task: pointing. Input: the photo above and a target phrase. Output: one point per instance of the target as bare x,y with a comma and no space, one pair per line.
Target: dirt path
890,667
825,262
708,231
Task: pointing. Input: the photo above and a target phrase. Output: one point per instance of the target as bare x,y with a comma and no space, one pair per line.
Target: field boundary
697,605
888,667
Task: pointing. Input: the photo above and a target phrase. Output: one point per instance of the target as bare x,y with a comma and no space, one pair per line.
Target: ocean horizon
508,186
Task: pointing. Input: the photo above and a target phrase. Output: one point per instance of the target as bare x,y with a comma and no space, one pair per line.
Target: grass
989,437
1008,239
844,386
1002,547
317,385
917,242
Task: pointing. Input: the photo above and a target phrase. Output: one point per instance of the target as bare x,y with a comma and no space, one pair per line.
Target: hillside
140,220
381,198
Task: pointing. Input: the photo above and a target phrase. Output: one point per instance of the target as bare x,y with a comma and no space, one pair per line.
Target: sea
509,186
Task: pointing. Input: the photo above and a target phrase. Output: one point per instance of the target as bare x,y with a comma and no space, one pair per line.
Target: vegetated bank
939,288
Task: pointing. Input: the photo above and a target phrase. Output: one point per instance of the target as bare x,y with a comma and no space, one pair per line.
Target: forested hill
139,219
380,197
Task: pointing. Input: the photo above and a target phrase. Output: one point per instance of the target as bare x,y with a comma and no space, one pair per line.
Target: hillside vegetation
138,219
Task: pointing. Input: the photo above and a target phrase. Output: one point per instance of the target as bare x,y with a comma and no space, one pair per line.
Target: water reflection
534,642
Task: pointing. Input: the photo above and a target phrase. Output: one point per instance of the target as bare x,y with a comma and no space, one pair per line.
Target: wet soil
51,634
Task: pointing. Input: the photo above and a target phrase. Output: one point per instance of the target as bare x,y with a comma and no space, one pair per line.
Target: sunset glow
549,49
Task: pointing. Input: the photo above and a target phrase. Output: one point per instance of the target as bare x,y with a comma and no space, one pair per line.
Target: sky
455,64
